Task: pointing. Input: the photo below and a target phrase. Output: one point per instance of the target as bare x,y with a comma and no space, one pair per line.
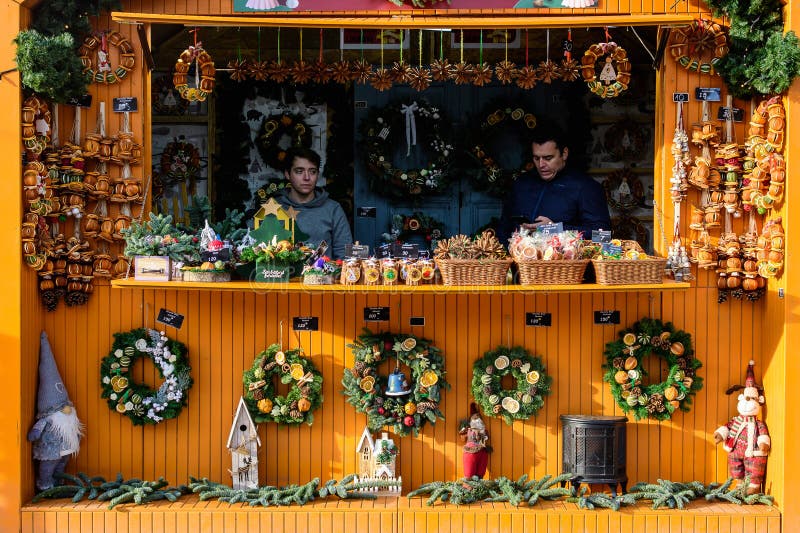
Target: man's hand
538,222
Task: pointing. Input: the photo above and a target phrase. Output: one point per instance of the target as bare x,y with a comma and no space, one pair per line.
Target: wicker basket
209,276
629,271
551,272
473,271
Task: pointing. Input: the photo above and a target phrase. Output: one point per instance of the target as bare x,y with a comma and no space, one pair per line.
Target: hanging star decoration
482,75
526,78
419,78
547,71
505,72
362,71
341,72
259,70
301,72
570,70
400,71
279,71
321,72
441,70
238,69
463,73
381,79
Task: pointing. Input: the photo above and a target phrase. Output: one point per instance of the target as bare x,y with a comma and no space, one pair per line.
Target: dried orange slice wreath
701,37
127,58
205,73
614,53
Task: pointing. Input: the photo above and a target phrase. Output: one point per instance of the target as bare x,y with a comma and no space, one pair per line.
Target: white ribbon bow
411,126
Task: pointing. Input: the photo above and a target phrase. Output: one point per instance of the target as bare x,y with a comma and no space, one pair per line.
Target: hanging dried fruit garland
691,43
519,403
97,46
291,368
366,390
406,125
204,74
625,373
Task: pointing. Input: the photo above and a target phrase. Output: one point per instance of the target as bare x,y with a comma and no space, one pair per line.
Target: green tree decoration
50,65
57,16
762,60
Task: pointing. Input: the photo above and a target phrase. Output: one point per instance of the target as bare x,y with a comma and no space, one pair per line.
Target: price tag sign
606,317
81,101
360,251
680,97
367,212
305,323
218,255
376,314
539,319
547,229
406,251
601,235
383,251
125,103
707,94
170,318
730,113
416,321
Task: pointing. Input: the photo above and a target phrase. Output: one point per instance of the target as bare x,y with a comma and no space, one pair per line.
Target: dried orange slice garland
137,401
519,403
614,85
205,74
625,373
99,43
291,368
701,37
366,389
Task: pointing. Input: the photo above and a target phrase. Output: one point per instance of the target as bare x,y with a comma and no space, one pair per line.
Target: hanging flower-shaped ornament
393,140
204,75
615,74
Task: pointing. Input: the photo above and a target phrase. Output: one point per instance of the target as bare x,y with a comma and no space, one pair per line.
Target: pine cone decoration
400,72
258,70
239,69
321,72
258,394
50,300
636,391
460,247
496,409
570,70
442,249
293,405
547,71
486,246
526,78
381,79
278,71
359,367
532,390
487,390
482,75
463,73
618,363
341,72
419,78
490,369
296,414
442,70
361,71
269,366
516,363
302,72
505,72
425,406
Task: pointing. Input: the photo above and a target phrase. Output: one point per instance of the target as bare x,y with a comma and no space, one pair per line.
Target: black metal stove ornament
594,450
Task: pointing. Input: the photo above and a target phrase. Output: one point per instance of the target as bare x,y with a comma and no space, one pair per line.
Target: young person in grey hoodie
318,216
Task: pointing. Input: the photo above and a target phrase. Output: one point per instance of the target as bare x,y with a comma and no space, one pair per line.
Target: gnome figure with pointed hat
745,437
476,449
57,432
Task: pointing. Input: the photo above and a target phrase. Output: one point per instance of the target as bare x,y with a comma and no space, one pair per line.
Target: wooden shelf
296,286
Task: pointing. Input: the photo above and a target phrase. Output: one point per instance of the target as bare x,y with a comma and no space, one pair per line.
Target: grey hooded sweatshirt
322,219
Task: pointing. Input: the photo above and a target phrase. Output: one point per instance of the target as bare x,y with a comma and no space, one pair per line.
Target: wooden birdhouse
365,449
243,444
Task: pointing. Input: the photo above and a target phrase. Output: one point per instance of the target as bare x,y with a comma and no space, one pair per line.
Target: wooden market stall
228,324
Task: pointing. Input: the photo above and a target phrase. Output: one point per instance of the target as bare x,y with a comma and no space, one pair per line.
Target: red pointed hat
750,377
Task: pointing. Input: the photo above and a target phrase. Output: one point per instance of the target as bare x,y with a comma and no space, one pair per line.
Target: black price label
606,317
218,255
125,103
416,321
680,97
305,323
360,104
566,45
383,251
707,94
406,251
357,250
539,319
601,235
730,113
376,314
170,318
81,101
367,212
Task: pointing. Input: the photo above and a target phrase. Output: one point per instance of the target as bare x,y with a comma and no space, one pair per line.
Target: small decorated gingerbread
746,438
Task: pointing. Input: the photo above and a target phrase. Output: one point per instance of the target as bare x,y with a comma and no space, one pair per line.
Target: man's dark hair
544,133
302,152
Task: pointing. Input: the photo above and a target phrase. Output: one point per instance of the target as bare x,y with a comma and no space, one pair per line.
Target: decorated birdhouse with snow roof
377,461
243,444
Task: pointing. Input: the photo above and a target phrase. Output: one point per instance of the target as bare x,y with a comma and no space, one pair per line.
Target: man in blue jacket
318,216
554,193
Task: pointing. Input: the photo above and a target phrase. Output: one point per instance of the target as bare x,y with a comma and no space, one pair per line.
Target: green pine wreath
303,398
272,132
385,129
366,389
137,401
625,373
519,403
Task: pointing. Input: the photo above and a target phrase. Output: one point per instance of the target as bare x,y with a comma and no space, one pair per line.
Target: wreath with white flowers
137,401
406,125
505,120
272,132
625,373
291,368
368,391
519,403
